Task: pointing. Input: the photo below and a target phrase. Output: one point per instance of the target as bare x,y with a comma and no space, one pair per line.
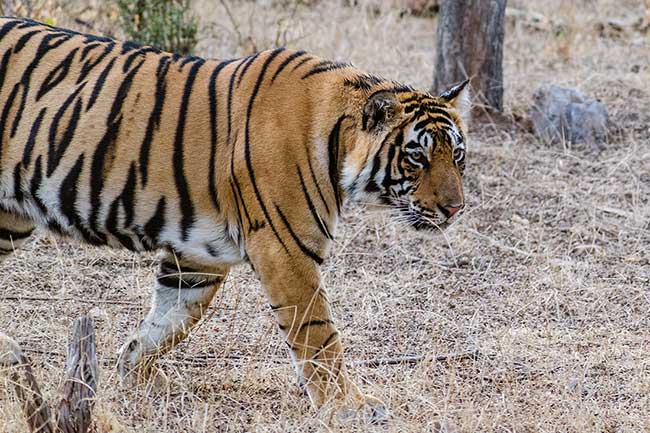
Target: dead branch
35,409
70,299
414,359
75,408
80,386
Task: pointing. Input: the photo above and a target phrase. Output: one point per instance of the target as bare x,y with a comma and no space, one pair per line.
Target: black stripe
175,282
23,40
314,323
35,184
99,84
363,82
68,199
89,65
3,67
325,66
333,154
98,173
247,65
186,60
302,62
106,144
313,178
7,27
247,144
18,191
212,92
87,49
306,250
31,140
429,120
140,53
156,223
126,200
187,206
56,75
240,222
319,221
122,93
376,164
5,113
27,23
173,277
325,344
154,118
129,46
8,234
128,196
56,150
175,268
387,181
239,199
44,47
230,91
417,98
68,192
286,62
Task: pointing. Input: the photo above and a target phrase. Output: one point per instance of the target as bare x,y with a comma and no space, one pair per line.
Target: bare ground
547,274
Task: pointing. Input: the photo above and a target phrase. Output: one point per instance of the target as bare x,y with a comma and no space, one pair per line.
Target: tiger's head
410,154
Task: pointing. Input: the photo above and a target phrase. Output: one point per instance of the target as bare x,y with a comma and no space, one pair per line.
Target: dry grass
548,271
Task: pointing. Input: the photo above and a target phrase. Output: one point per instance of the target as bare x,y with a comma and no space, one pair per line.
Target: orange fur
216,163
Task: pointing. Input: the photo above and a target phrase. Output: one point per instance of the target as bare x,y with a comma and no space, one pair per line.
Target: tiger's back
118,144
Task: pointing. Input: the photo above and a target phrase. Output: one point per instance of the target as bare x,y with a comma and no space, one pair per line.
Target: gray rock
561,114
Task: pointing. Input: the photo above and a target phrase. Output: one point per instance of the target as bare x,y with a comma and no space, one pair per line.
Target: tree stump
470,45
79,389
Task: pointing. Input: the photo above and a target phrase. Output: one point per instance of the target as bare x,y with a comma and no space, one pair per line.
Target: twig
498,244
233,21
36,411
414,359
87,301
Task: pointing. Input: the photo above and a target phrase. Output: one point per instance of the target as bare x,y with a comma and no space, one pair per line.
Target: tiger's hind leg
181,297
14,232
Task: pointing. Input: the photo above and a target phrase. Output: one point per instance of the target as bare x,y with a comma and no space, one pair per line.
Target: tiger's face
417,155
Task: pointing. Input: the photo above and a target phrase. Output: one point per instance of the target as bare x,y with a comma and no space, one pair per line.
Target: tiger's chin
425,225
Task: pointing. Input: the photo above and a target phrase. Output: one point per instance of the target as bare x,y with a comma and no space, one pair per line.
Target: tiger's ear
380,109
458,97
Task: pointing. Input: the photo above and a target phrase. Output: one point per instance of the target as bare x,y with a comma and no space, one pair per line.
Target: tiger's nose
451,210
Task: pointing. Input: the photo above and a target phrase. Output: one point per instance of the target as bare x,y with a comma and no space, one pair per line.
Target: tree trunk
470,45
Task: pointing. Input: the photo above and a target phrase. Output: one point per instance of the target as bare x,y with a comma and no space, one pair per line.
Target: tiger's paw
365,408
138,370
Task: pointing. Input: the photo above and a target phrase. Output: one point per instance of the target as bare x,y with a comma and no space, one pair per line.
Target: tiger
216,163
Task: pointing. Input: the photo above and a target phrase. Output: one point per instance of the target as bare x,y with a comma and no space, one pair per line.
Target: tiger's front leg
182,294
301,307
